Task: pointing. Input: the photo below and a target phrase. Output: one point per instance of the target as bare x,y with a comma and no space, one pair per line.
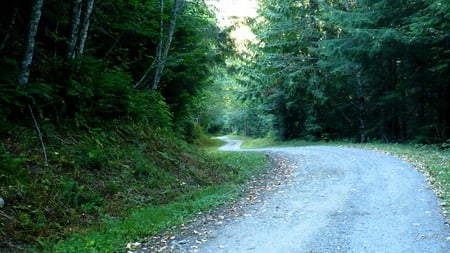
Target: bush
192,131
149,107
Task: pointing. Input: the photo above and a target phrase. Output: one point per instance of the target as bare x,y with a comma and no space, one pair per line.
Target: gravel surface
321,199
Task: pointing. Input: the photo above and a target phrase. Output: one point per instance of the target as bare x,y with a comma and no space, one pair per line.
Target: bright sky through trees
232,12
227,9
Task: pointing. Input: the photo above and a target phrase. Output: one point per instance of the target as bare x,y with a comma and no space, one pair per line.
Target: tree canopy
369,69
90,61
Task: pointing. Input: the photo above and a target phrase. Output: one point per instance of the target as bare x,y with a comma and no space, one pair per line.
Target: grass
271,142
431,160
114,233
104,187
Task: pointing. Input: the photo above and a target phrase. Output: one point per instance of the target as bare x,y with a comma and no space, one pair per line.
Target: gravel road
331,199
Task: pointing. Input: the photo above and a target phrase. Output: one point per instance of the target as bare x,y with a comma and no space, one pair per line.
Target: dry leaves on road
188,237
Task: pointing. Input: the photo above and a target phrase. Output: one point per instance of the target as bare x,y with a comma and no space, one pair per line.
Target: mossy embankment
106,186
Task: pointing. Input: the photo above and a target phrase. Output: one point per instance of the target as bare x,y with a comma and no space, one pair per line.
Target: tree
337,68
85,27
428,36
30,42
286,66
79,27
374,36
163,47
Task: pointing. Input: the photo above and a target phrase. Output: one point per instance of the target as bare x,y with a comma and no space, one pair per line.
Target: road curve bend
337,199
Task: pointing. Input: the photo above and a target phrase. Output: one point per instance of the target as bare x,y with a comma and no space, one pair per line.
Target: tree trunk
163,48
113,46
24,73
144,79
74,29
85,27
347,5
168,42
362,110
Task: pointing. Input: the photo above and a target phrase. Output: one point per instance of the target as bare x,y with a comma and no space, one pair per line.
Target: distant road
231,145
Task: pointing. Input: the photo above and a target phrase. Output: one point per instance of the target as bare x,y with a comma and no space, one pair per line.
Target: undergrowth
106,186
112,234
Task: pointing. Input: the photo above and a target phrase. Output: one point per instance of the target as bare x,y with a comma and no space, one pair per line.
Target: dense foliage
97,99
97,81
368,69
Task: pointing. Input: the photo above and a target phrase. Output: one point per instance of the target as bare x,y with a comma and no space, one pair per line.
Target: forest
359,70
103,102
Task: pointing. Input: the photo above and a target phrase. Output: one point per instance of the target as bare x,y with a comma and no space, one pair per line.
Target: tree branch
41,139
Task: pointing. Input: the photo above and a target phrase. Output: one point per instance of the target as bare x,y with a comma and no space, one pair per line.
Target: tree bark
163,48
24,73
74,29
144,79
30,42
85,27
362,110
162,63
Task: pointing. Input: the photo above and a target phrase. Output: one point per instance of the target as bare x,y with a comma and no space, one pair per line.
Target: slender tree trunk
446,113
362,110
55,50
38,130
85,27
163,48
165,51
74,29
24,73
113,46
144,79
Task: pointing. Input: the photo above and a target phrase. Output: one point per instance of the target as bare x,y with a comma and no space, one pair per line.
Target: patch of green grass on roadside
114,233
272,142
212,144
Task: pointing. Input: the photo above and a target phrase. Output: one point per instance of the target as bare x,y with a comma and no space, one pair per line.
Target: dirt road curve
336,200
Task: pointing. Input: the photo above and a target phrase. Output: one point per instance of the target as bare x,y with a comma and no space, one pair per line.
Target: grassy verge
432,160
271,142
113,233
104,187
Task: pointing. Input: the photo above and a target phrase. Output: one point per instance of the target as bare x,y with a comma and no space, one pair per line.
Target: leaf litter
188,237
